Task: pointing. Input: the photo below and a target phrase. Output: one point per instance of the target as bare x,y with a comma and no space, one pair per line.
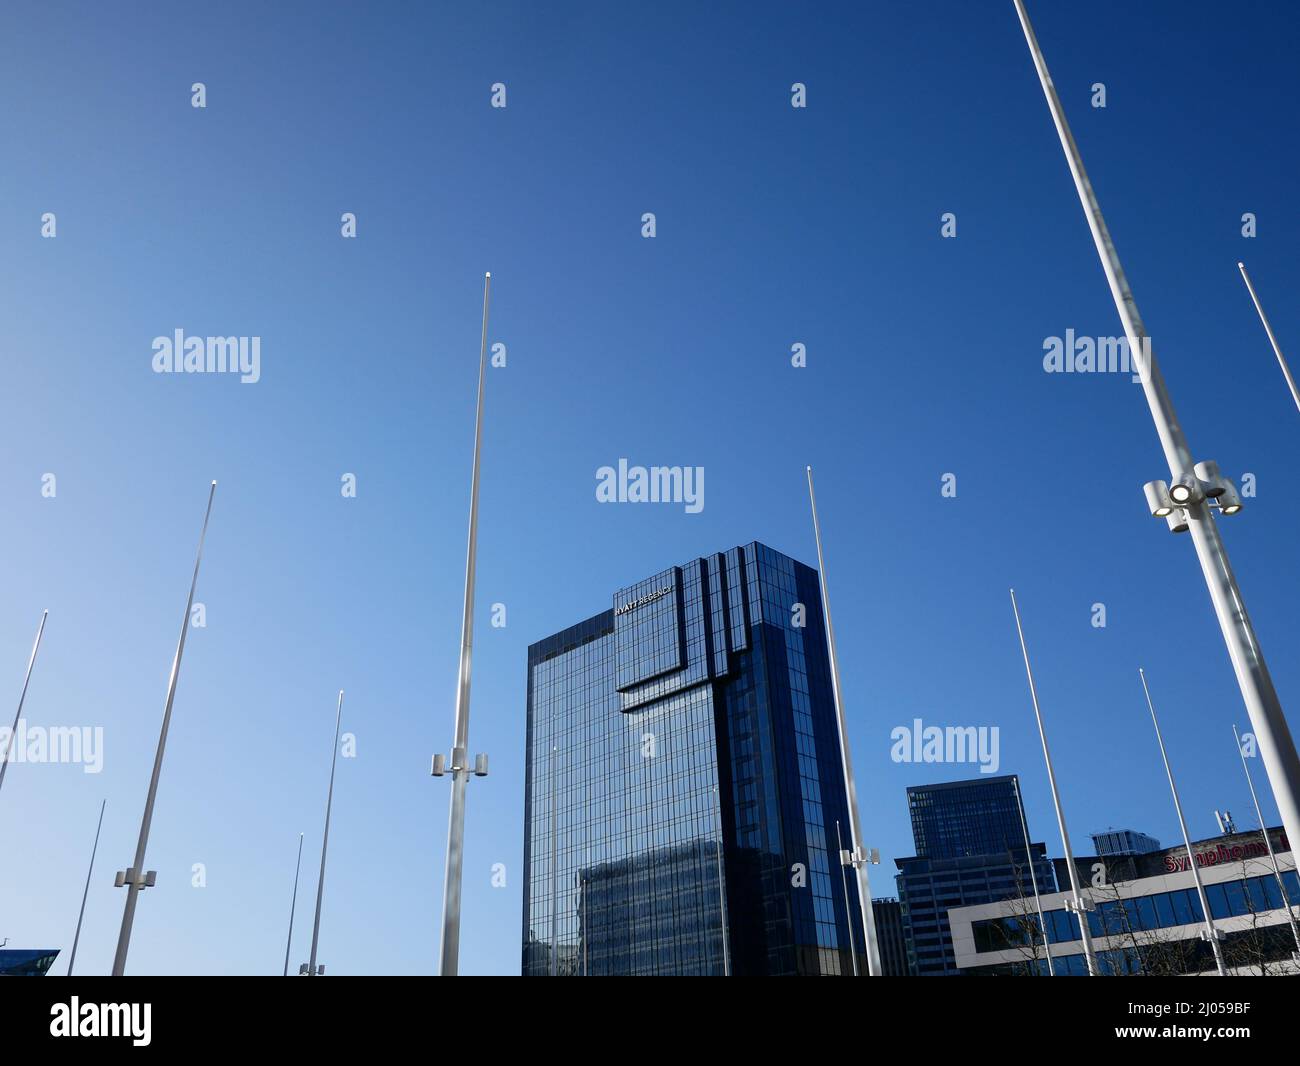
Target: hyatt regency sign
649,597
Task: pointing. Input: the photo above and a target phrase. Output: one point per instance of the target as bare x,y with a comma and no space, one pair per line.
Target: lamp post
1272,339
76,938
136,878
1196,489
22,697
311,970
1033,877
293,905
1268,843
858,857
460,770
1080,906
1210,933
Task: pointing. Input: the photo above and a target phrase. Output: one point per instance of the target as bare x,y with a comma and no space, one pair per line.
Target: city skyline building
970,849
683,781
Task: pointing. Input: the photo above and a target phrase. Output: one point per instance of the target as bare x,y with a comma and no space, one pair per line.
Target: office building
970,848
891,937
1124,842
684,781
1146,917
26,962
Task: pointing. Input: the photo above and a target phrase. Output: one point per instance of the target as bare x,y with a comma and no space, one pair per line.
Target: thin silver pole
22,696
325,841
293,904
136,883
722,895
1272,339
855,825
1038,900
1080,908
76,937
1268,843
460,752
1212,934
1276,745
844,883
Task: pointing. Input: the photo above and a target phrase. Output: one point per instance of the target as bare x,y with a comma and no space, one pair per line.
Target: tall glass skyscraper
684,781
970,848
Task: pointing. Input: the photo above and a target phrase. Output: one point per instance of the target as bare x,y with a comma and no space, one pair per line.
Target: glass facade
683,780
970,848
17,962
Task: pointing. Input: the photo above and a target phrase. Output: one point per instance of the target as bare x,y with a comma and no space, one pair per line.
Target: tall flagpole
1268,842
460,770
1272,339
13,733
1211,933
325,843
1033,877
293,905
1276,746
1080,906
76,937
136,879
858,857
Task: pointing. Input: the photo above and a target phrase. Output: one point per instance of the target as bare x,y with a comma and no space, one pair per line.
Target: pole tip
487,274
1241,265
214,483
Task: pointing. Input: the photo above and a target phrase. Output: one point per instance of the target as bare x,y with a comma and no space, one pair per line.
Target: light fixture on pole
1033,877
22,697
1268,843
293,904
1276,745
1277,349
1077,904
76,938
309,968
136,878
460,771
1211,932
859,857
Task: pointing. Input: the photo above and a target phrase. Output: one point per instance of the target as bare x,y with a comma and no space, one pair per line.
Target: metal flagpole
1033,877
460,751
1081,907
858,857
844,883
76,937
1272,339
1272,855
1211,933
1276,745
324,844
13,733
293,905
136,879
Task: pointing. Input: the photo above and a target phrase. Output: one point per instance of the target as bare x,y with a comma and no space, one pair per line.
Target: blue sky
775,226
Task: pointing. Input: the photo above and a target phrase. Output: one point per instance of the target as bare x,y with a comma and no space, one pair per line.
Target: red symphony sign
1223,853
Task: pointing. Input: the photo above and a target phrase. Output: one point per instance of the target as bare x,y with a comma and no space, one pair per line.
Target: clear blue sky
775,226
